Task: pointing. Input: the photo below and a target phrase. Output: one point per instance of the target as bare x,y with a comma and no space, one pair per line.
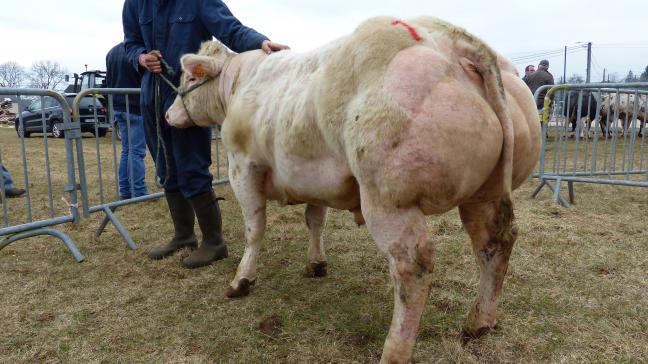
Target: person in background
120,73
6,184
539,78
529,69
166,30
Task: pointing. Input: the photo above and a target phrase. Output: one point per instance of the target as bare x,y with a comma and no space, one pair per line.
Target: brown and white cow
626,110
394,122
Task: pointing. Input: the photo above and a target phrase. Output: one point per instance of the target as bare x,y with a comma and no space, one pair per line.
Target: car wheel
20,131
101,132
56,131
117,132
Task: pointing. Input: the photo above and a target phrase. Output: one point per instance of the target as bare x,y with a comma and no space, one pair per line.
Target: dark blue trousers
185,165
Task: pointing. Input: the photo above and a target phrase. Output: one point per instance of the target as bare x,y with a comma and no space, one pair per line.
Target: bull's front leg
401,235
491,229
315,220
246,180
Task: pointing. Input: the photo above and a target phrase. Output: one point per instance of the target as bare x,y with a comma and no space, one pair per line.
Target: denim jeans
133,152
8,182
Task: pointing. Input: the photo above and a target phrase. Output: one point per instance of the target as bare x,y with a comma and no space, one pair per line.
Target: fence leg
103,224
538,189
53,232
120,228
570,187
556,194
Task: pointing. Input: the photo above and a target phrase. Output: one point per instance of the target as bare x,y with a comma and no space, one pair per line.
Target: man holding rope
158,32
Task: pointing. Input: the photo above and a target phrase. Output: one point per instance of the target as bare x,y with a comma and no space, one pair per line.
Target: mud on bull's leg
316,220
491,229
246,182
401,234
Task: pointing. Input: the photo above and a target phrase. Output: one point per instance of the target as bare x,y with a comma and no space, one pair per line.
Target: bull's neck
227,80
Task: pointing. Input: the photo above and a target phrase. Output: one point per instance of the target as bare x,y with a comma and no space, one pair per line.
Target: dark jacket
539,78
120,73
177,27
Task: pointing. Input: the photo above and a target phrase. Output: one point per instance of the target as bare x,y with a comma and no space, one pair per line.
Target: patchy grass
577,287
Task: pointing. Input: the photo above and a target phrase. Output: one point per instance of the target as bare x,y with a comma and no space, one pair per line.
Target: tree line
612,77
42,74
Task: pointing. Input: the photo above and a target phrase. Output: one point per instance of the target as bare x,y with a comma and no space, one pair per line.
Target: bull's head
199,102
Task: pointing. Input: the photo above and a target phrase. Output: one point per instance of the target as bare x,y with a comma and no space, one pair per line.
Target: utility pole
589,61
604,74
565,67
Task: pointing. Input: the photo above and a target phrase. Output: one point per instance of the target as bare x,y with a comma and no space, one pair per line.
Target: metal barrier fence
41,209
593,133
97,163
104,201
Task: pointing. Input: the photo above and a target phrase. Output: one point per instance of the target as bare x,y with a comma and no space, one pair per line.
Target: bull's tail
483,60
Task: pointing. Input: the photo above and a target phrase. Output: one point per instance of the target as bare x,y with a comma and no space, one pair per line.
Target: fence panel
100,159
45,168
593,133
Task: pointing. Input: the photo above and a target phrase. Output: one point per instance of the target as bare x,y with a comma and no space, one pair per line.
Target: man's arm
222,24
133,41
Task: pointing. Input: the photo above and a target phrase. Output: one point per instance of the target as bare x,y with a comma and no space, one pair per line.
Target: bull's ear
201,66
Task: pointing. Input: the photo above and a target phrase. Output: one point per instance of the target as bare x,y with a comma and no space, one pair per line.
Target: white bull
394,122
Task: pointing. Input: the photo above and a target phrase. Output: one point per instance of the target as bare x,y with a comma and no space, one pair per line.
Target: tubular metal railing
13,226
593,133
104,203
99,158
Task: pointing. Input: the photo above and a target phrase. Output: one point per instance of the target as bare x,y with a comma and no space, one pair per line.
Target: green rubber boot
212,247
182,215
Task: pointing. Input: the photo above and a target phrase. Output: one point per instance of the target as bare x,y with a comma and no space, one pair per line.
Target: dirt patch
271,326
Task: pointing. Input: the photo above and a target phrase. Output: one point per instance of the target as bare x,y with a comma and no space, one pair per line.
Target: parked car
50,112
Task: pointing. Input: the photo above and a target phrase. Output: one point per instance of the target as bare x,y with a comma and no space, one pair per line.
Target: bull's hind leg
315,220
401,235
491,230
247,181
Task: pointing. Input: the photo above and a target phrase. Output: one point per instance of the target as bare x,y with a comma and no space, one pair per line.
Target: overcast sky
76,32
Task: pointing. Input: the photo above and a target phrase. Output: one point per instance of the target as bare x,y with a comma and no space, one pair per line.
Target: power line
640,43
540,54
527,53
524,53
529,59
557,52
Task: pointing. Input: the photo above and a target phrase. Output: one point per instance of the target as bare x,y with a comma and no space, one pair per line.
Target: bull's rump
448,140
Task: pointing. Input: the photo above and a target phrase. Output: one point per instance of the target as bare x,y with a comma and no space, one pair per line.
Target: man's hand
151,61
269,46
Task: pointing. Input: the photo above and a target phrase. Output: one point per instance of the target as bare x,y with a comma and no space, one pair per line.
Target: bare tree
575,78
12,74
46,74
631,77
644,75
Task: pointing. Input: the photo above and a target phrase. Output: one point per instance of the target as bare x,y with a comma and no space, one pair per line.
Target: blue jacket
177,27
120,73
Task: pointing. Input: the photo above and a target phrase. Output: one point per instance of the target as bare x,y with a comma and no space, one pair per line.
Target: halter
158,103
182,93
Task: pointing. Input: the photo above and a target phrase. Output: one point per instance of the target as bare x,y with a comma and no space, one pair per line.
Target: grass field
576,291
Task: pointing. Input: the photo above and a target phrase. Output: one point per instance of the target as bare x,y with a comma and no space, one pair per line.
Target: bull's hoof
242,290
467,337
316,270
